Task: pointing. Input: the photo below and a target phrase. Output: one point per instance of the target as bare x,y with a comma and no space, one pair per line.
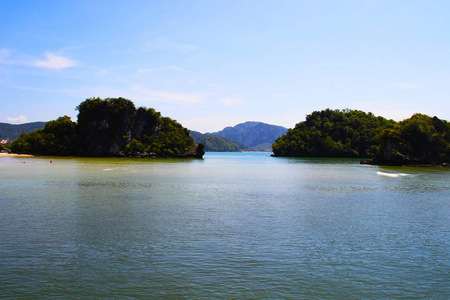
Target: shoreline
15,155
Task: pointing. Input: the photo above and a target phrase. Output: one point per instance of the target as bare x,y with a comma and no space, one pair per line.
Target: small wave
387,174
391,174
107,169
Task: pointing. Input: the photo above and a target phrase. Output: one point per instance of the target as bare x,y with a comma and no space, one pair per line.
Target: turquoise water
233,225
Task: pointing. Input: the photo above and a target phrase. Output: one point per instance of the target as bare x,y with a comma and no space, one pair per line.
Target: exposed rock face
104,130
145,122
253,134
114,127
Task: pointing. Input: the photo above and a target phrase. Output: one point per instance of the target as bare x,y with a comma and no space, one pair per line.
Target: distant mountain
215,143
256,135
13,131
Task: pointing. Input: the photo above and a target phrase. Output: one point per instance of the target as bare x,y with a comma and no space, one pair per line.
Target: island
111,127
419,140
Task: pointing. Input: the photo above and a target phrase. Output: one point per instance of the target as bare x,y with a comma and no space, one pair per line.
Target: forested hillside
215,143
13,131
111,127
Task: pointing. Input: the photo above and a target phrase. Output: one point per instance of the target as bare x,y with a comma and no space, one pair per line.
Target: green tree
60,136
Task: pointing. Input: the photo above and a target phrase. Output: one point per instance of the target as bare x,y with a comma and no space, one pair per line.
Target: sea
228,226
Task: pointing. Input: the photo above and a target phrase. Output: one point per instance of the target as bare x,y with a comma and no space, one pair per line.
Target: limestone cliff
111,127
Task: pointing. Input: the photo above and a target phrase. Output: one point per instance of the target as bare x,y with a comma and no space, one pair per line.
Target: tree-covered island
418,140
111,127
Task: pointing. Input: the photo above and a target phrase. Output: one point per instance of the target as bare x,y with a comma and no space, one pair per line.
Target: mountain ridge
256,135
13,131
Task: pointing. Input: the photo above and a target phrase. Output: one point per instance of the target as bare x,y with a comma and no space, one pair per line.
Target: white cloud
216,87
283,95
167,97
147,71
388,109
4,53
408,85
168,68
232,102
212,122
19,119
55,62
175,68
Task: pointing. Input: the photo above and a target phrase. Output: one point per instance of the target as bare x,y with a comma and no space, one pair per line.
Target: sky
216,63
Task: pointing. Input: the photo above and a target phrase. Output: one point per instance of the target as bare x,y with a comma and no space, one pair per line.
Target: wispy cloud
408,86
164,44
55,62
232,102
4,53
168,97
283,95
211,122
216,87
164,69
19,119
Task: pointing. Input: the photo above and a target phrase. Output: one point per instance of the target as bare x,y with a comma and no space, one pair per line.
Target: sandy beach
14,155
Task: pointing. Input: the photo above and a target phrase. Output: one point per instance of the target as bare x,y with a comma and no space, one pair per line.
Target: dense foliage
420,139
170,138
333,133
57,138
4,148
215,143
110,127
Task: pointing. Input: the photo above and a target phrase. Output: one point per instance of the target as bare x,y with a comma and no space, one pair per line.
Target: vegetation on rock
333,133
351,133
418,140
111,127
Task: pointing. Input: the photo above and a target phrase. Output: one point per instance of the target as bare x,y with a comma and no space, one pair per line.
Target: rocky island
419,140
111,127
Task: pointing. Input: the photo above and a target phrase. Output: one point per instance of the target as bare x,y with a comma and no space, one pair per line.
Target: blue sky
211,64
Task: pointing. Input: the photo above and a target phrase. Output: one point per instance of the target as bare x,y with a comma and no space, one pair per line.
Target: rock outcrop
111,127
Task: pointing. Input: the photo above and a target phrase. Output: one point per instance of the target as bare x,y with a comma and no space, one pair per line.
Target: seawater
233,225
